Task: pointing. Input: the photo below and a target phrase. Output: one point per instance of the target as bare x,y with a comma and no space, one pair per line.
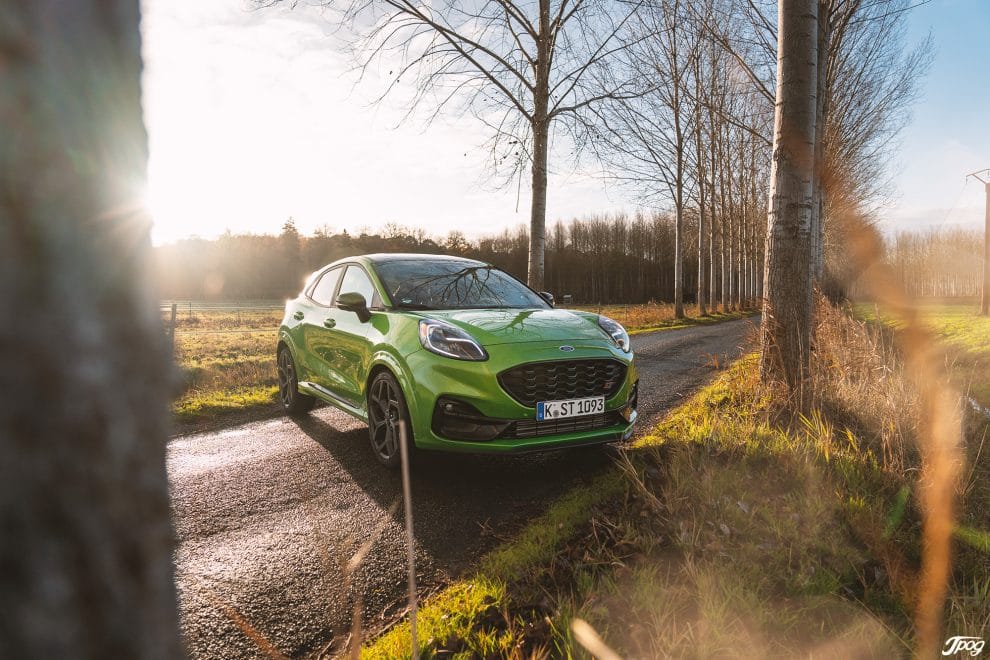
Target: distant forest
614,259
601,259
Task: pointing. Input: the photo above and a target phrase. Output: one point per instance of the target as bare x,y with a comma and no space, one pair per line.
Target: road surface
268,514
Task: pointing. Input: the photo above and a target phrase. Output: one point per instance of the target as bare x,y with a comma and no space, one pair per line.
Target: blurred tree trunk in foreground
85,537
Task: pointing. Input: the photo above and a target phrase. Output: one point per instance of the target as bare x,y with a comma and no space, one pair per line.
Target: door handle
298,316
329,323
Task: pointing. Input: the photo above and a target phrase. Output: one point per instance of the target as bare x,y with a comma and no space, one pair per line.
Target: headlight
449,340
616,332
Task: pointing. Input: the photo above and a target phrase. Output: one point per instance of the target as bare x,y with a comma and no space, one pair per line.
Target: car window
357,281
322,293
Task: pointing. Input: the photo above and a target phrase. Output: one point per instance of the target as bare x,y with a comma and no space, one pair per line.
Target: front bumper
460,407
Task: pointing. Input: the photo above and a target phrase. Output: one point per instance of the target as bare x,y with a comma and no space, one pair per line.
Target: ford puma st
467,356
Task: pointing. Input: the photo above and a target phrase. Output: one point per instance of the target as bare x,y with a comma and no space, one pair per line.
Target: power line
955,203
889,13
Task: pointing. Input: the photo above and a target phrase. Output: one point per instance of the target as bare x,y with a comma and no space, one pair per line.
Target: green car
470,358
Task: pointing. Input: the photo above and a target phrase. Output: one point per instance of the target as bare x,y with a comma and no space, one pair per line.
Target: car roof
379,258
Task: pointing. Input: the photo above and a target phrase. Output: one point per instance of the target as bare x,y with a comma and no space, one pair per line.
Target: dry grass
744,530
795,535
226,366
964,333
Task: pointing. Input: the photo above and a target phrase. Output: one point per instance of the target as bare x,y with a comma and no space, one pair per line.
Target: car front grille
562,379
532,428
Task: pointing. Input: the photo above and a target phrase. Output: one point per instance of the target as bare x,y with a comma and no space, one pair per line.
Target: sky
949,135
255,116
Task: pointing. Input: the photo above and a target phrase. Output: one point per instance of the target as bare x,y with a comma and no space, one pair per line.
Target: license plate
569,408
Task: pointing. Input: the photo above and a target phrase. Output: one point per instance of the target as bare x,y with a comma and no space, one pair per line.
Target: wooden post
171,326
983,176
985,304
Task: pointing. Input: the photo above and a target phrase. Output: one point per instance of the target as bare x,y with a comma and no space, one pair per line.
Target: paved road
267,514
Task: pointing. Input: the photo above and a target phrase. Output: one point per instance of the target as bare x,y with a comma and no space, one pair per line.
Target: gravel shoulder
268,514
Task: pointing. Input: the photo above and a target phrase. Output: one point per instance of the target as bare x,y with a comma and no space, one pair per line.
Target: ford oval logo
566,349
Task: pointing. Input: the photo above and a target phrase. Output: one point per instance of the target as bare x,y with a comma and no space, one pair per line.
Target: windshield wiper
416,306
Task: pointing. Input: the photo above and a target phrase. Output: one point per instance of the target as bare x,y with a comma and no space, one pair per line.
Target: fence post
171,325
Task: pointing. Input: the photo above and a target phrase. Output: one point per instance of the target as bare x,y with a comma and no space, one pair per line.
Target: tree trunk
86,546
679,147
541,139
725,235
733,237
818,199
712,261
702,247
786,331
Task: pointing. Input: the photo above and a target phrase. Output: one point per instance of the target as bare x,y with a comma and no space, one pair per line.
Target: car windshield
426,284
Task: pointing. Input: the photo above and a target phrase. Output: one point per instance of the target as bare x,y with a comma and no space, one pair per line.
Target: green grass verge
730,531
471,615
195,406
964,333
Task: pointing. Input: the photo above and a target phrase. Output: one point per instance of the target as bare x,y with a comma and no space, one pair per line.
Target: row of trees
600,259
617,258
938,263
673,99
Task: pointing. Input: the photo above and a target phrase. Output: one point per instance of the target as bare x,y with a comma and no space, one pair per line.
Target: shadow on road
462,504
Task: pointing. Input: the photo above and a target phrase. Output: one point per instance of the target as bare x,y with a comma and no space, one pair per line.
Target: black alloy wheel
292,400
387,412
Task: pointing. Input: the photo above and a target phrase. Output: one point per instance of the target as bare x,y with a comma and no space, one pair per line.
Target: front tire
294,402
386,409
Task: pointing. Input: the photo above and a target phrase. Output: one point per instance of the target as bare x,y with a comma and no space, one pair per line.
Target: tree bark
786,330
818,200
725,231
712,261
86,542
702,236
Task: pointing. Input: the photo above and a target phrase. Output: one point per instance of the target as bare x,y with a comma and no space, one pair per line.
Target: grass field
737,529
964,333
227,366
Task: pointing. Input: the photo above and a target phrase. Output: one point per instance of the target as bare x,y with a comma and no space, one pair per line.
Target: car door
317,363
350,337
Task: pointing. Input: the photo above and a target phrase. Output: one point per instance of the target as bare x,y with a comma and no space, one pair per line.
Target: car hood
491,327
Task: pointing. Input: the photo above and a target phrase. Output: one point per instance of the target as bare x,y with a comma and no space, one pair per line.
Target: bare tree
646,140
86,546
522,67
866,83
701,179
870,82
786,329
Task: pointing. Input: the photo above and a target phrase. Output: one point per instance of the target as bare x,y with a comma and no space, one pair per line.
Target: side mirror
354,302
546,295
